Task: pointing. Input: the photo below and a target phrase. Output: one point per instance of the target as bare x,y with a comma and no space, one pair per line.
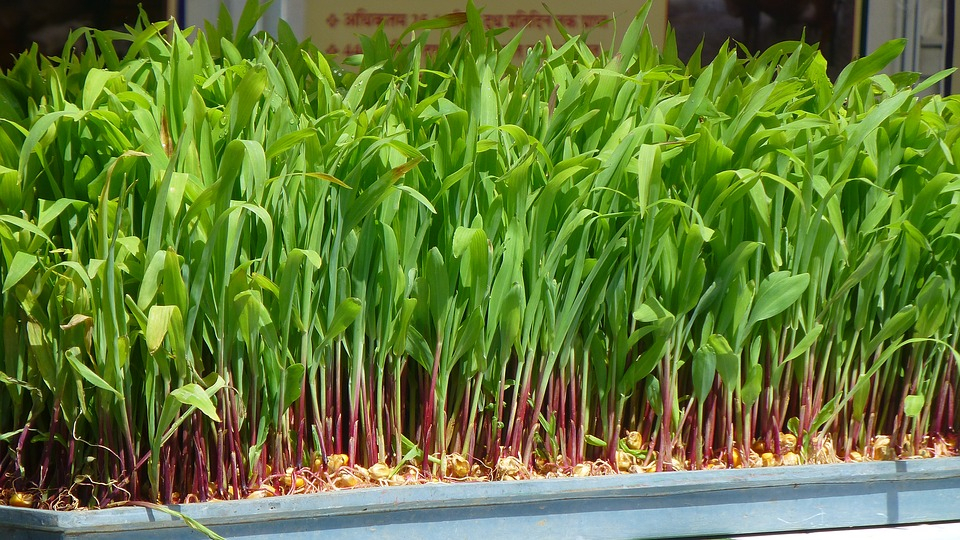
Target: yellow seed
317,466
288,480
624,461
790,458
856,456
788,442
259,494
768,459
379,471
582,469
457,466
336,461
509,466
634,440
21,500
759,446
346,480
882,451
737,460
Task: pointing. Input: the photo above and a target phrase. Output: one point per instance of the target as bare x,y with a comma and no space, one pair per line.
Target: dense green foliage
231,253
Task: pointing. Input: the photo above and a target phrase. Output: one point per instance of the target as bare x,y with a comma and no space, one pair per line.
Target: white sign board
334,26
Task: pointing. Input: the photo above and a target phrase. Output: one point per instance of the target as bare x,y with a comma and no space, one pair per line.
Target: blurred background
845,28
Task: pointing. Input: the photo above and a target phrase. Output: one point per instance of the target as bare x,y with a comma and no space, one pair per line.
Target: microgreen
223,253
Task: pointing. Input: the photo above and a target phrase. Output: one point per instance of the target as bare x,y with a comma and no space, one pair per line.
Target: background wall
861,25
49,22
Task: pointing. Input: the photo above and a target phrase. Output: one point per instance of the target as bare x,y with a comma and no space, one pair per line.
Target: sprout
225,258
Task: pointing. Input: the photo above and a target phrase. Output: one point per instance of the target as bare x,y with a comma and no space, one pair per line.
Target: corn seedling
233,267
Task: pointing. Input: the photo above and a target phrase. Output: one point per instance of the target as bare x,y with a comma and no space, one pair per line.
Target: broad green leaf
345,314
752,386
73,357
804,345
932,303
895,327
22,264
826,413
158,324
913,405
776,293
293,382
860,397
193,395
728,362
704,371
865,67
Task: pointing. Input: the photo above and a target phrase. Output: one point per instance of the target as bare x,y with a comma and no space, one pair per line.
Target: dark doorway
761,23
49,22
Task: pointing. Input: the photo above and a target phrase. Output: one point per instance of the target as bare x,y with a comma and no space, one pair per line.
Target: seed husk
335,461
625,460
21,500
346,479
379,471
736,460
261,494
633,440
509,468
882,451
287,479
788,442
582,469
457,466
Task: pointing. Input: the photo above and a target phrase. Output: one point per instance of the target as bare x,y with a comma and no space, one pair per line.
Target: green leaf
73,357
594,441
192,394
471,246
753,386
865,67
22,264
158,324
94,84
345,314
808,340
728,362
826,413
293,383
704,371
776,293
895,327
654,397
932,303
913,405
